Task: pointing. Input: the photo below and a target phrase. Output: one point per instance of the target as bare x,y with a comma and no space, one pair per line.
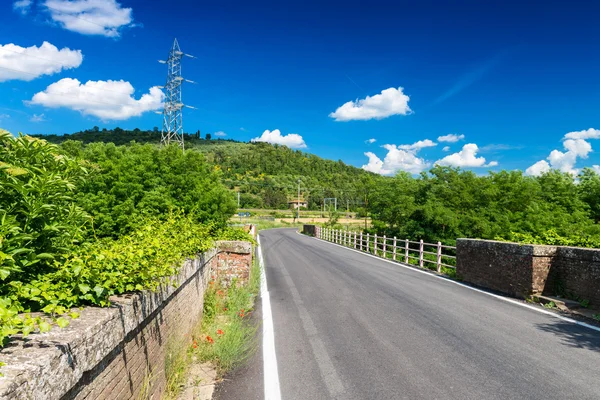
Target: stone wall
309,230
116,352
524,270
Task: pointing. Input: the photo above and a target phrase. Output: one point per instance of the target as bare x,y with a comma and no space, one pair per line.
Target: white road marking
271,375
509,300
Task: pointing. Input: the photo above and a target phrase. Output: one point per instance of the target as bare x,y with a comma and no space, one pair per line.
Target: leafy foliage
49,260
38,221
128,183
449,203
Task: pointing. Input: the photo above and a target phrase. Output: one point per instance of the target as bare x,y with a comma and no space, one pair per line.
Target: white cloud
397,159
370,141
586,134
596,169
90,17
576,147
4,116
220,134
451,138
243,129
107,100
291,140
446,148
22,6
389,102
467,157
539,168
417,145
38,118
28,63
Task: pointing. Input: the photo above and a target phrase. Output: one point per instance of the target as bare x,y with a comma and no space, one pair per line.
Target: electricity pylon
172,128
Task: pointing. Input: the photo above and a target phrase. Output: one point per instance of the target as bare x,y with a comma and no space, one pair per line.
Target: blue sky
514,84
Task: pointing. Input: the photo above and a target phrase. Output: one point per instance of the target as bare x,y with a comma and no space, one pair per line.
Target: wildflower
209,340
219,332
195,344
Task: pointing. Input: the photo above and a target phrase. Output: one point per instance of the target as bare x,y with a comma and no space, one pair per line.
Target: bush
128,183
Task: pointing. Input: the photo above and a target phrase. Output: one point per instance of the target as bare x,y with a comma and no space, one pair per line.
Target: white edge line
271,375
515,302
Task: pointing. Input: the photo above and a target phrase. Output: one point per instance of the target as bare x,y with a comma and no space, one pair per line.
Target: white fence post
361,241
354,240
394,249
367,242
439,257
406,259
421,253
375,244
384,247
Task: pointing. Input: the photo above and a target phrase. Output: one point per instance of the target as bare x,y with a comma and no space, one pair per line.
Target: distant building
297,203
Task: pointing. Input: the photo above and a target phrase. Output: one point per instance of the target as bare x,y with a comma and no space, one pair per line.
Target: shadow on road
573,335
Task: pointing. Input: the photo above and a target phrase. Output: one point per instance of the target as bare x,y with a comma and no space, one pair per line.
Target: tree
208,136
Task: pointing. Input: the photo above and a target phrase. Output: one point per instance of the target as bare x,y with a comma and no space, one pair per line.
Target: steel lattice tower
172,128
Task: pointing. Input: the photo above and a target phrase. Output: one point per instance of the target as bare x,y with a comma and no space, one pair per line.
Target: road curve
348,326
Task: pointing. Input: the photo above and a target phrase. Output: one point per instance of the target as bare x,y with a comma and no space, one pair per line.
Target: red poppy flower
209,339
219,332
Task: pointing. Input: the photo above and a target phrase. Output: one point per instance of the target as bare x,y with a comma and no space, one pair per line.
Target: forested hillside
265,175
442,204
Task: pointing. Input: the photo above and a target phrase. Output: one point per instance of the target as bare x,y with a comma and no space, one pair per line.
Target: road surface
349,326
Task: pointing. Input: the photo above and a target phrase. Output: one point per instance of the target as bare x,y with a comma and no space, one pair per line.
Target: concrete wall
524,270
115,352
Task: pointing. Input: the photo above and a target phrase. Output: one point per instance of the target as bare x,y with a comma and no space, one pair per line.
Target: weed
176,366
584,303
226,336
596,317
550,305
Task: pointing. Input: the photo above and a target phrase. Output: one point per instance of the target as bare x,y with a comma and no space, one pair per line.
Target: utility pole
298,205
172,129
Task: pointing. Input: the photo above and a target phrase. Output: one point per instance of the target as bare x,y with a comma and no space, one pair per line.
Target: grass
177,362
225,337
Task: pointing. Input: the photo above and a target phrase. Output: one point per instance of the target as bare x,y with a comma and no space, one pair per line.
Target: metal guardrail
401,250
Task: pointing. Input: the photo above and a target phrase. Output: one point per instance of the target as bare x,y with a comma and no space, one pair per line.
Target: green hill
265,175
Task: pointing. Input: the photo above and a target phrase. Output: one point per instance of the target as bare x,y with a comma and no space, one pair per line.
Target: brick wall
114,353
524,270
575,272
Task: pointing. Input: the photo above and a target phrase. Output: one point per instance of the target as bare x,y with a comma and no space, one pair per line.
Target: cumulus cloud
395,160
451,138
576,147
107,100
370,141
467,157
418,145
22,6
539,168
28,63
596,169
586,134
389,102
291,140
446,148
220,134
38,118
90,17
399,158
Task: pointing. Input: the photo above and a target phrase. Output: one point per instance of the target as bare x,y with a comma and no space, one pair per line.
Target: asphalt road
348,326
